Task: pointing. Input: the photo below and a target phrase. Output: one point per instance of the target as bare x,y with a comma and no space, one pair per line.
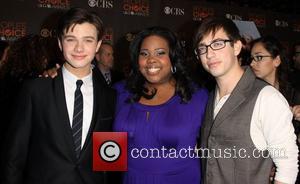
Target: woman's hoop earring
173,69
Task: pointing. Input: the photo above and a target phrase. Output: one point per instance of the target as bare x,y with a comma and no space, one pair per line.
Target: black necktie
77,118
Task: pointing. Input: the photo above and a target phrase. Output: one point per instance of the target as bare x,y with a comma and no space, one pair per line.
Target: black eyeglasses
258,58
214,45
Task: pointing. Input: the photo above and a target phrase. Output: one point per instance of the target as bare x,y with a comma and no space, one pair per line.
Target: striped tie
77,118
107,78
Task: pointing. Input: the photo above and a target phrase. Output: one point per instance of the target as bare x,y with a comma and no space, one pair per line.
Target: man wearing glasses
248,122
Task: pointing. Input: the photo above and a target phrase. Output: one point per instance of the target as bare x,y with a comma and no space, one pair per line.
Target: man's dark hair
76,16
214,24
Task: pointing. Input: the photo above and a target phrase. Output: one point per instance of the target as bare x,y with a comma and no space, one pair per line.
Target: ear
277,61
237,46
59,44
98,45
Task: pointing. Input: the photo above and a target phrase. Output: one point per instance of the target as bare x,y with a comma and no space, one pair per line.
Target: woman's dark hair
27,57
136,81
275,48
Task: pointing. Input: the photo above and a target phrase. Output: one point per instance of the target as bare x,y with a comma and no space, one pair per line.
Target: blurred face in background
296,57
105,57
263,64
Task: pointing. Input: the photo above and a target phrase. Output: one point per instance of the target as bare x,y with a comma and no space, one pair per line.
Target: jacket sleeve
18,139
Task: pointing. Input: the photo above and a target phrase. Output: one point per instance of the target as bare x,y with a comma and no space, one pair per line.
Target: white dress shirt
88,99
271,128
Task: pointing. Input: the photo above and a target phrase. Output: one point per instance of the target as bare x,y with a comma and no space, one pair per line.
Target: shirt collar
72,78
104,71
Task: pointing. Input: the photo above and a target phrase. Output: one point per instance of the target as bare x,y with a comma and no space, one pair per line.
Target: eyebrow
258,53
86,37
156,49
217,39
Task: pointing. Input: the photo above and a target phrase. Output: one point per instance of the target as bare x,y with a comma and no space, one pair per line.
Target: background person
105,62
270,63
26,59
295,80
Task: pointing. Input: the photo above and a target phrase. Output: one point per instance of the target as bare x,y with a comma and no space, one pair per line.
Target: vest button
208,175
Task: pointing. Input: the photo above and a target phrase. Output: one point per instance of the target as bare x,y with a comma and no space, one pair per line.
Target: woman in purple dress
162,110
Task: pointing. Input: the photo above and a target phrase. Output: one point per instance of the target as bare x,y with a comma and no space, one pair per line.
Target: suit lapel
97,93
209,114
60,99
237,97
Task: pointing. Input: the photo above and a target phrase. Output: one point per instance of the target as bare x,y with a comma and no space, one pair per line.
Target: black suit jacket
41,147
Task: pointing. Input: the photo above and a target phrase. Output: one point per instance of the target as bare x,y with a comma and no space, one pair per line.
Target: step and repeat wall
124,18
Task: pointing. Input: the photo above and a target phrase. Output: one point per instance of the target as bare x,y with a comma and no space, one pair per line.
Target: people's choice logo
110,151
54,4
11,30
136,7
199,13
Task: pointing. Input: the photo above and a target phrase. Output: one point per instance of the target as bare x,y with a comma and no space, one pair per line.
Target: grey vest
228,138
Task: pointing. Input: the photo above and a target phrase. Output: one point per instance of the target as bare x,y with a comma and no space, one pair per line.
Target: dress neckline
154,107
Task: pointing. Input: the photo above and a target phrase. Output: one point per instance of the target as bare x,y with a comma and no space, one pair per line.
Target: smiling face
79,46
222,62
267,66
154,61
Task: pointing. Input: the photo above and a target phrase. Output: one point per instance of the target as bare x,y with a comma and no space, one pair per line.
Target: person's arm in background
296,112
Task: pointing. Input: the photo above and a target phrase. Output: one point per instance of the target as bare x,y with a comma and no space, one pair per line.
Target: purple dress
161,138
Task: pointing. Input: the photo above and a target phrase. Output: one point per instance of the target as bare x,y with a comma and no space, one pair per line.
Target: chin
215,73
153,81
258,75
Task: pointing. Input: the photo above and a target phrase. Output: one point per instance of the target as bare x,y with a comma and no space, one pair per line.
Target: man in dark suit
50,140
104,60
